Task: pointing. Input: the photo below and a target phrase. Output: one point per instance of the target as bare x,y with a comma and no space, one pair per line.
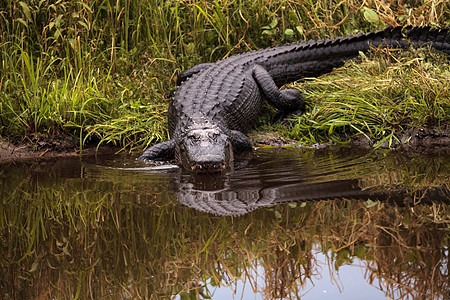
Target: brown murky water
285,224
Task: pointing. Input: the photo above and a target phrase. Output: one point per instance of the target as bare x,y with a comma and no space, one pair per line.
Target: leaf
406,219
411,257
34,267
72,43
84,25
330,130
360,252
22,21
292,15
274,23
289,32
26,10
86,6
370,203
370,15
277,214
191,48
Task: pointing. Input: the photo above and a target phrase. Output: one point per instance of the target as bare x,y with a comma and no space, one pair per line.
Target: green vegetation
378,97
99,70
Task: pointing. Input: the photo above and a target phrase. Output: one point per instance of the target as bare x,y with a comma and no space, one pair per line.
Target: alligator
245,199
215,104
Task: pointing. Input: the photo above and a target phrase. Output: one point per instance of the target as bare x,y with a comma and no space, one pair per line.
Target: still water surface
285,224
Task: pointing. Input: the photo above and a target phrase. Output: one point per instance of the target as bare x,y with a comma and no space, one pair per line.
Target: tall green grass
101,68
378,97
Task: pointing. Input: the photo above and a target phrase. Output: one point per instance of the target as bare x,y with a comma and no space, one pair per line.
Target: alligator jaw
209,166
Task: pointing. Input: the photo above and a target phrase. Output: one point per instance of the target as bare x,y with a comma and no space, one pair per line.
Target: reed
88,68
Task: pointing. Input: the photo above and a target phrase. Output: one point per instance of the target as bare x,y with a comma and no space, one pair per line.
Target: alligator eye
213,135
194,138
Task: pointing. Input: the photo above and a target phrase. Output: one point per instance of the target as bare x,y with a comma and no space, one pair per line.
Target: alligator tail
437,38
310,59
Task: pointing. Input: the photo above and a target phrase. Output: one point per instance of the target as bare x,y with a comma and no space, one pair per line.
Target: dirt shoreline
39,146
417,139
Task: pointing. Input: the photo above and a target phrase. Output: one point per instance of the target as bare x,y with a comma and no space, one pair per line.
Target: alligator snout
205,150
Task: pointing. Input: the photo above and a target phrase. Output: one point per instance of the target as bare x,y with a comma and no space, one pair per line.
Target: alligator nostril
209,159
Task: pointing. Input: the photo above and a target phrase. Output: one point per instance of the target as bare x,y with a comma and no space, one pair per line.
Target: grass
99,70
379,97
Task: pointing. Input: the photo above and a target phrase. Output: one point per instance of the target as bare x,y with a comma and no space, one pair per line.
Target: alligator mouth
209,167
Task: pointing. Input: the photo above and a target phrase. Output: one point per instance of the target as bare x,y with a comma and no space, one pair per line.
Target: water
285,224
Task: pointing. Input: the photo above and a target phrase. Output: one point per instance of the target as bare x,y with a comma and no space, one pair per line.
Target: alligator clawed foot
286,118
297,113
279,118
169,95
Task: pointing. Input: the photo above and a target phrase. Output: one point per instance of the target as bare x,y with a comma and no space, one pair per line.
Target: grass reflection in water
73,229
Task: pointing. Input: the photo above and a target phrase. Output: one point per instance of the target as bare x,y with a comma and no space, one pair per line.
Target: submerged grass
100,68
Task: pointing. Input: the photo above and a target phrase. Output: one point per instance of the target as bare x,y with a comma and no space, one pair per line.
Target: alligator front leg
161,151
288,101
239,141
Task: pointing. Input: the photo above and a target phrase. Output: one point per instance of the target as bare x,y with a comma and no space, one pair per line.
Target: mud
41,146
38,146
417,139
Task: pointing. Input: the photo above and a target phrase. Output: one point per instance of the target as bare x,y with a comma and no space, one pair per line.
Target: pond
333,223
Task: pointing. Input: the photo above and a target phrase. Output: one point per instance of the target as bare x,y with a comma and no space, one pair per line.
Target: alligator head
205,149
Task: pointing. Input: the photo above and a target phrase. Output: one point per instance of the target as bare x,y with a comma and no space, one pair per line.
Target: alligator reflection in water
283,178
113,228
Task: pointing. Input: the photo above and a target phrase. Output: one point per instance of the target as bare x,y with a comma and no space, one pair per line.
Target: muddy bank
417,139
414,139
39,146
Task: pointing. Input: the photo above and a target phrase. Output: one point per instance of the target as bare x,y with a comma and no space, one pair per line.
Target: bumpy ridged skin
226,93
239,202
230,93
